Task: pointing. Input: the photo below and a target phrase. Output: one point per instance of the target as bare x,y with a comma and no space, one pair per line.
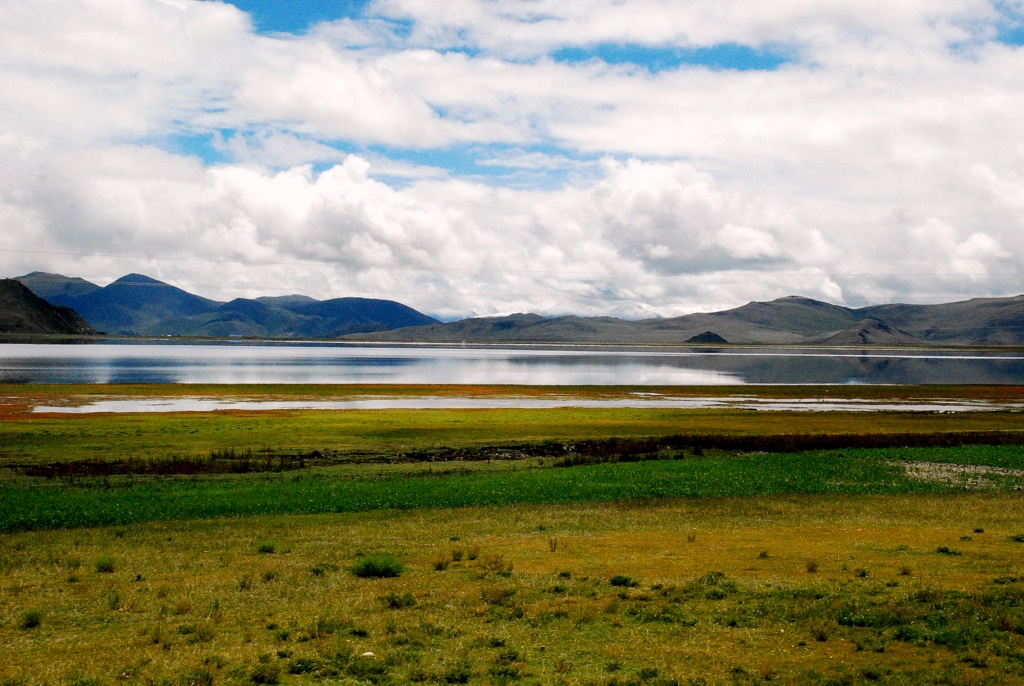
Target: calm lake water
171,363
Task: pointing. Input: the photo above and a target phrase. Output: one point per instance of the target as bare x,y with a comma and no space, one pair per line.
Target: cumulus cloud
881,161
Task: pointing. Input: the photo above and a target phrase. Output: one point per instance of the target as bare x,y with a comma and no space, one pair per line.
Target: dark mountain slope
22,311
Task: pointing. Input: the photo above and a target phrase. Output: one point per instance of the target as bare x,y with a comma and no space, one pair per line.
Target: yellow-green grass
197,602
28,438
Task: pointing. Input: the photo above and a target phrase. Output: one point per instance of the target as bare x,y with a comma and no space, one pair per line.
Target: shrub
378,566
946,550
811,565
104,564
267,547
457,555
31,619
625,581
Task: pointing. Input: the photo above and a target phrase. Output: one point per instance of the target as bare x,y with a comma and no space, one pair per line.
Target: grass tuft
104,564
379,566
623,581
30,619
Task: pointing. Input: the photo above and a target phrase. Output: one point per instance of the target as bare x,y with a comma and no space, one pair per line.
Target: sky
480,157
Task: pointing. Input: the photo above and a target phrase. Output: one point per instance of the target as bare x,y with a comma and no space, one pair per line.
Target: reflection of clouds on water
568,365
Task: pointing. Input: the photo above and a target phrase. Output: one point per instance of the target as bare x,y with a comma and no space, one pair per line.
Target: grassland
795,589
635,556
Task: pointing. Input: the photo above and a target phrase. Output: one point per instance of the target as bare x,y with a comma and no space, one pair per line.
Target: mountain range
138,304
791,320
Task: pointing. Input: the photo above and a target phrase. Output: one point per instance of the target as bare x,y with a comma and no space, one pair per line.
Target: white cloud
885,161
530,27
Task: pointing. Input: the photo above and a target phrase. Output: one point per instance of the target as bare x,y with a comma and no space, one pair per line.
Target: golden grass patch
717,590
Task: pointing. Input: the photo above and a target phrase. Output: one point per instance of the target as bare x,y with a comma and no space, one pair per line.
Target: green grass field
639,557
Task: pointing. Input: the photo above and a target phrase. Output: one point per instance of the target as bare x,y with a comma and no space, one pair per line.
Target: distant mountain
791,320
142,305
138,304
980,321
55,285
22,311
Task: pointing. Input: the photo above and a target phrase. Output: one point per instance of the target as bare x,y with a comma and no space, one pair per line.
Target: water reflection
568,365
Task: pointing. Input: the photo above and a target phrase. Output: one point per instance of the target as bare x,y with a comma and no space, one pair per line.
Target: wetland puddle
636,400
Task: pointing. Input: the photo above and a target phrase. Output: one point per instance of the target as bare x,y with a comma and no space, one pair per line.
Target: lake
327,363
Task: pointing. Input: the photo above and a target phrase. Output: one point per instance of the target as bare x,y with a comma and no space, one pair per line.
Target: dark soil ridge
564,454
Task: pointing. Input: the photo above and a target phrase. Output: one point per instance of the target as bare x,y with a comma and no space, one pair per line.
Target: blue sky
486,156
293,16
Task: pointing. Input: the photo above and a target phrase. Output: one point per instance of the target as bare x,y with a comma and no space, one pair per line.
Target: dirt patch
973,477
